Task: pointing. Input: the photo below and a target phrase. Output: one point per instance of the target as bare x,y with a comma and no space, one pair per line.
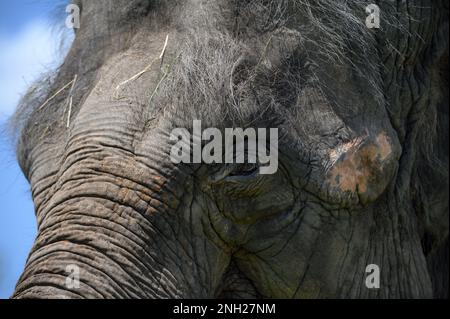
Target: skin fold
363,152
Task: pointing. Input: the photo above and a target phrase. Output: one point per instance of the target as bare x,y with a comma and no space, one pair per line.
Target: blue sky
29,46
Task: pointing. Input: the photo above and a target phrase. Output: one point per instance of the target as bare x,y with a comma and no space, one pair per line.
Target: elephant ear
414,46
432,184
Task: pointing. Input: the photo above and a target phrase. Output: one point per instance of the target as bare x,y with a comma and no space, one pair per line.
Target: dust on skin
359,163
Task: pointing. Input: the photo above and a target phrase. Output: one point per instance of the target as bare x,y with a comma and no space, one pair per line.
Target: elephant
358,207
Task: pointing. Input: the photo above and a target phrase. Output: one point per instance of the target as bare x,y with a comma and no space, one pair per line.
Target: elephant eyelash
245,170
236,173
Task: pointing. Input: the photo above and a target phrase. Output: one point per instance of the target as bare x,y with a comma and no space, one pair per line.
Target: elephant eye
244,170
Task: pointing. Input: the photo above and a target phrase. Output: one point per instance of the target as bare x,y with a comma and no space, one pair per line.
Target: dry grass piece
55,95
148,67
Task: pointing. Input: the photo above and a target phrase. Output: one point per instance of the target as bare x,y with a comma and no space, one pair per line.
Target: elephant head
362,120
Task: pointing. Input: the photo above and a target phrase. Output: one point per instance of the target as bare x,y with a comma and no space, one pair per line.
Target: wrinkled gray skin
363,177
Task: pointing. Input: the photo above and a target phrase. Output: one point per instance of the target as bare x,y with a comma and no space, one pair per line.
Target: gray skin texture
363,175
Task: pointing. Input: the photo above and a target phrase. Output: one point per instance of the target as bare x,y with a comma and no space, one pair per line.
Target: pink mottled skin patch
358,165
